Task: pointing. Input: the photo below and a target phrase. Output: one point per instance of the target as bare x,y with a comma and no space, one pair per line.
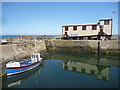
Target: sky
47,18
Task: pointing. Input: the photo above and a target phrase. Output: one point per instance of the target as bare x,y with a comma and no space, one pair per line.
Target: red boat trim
12,68
22,71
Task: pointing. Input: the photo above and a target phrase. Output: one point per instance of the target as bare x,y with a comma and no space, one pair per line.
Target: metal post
98,47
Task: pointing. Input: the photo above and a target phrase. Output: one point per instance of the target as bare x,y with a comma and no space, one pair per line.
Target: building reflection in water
102,72
78,63
90,64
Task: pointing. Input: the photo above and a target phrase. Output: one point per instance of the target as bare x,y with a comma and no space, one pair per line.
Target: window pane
74,27
83,27
106,22
101,26
66,28
94,27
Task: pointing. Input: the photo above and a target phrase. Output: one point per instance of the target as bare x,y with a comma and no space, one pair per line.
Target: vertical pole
98,58
98,52
98,47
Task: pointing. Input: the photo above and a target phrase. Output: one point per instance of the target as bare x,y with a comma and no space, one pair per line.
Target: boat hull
17,70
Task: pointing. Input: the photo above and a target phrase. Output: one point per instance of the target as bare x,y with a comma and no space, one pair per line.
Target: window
33,56
92,72
74,68
71,34
101,26
83,70
66,67
73,62
83,27
37,57
75,34
106,22
94,27
101,30
74,27
66,28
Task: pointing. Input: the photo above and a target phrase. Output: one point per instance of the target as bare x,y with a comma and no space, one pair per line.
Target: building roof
105,19
88,24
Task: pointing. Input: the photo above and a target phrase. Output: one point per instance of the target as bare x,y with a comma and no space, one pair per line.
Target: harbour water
62,69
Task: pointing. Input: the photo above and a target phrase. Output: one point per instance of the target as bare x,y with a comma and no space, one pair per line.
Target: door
101,30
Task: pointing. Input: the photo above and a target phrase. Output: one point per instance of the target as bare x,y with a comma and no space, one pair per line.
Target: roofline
80,25
105,19
87,24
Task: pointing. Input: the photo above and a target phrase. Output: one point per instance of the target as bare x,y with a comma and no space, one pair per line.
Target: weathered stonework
106,47
20,50
24,48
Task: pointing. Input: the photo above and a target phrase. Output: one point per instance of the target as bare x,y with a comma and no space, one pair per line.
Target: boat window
33,56
37,57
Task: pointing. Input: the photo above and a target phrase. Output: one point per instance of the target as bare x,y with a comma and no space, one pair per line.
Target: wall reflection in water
90,64
59,66
102,72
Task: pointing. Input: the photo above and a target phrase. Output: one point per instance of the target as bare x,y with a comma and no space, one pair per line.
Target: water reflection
89,64
16,80
71,70
102,72
13,84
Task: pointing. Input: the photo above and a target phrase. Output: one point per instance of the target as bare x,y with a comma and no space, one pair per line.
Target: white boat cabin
35,57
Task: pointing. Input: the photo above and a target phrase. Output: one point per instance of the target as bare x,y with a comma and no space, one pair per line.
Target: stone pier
106,47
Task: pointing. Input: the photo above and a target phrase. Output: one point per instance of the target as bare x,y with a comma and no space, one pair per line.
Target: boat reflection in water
15,80
102,72
14,83
69,70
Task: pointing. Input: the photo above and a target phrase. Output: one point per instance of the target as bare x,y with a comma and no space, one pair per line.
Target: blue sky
47,18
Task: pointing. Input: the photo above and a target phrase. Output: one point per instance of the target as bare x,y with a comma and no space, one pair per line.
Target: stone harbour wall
20,49
24,48
106,47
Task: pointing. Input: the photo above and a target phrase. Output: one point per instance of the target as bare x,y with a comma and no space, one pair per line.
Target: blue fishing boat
15,80
13,68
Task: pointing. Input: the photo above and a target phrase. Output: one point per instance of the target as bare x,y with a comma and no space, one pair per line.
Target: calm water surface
69,70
